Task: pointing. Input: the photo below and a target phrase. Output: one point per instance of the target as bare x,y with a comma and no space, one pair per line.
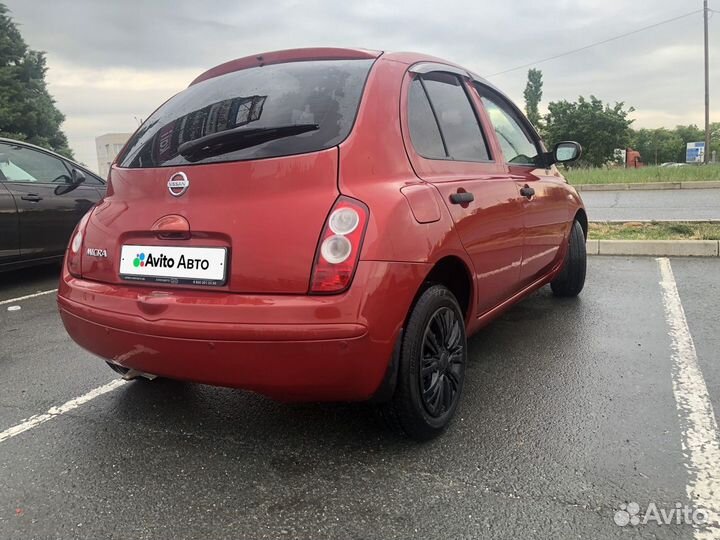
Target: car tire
431,370
571,279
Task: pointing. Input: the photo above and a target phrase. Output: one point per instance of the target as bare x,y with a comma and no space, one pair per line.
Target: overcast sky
113,61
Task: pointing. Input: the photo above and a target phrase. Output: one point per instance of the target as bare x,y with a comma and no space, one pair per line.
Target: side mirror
566,152
77,177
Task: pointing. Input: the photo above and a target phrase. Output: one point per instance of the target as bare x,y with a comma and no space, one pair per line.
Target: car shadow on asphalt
17,283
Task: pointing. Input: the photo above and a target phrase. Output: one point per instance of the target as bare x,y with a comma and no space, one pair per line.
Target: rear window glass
458,123
424,131
322,94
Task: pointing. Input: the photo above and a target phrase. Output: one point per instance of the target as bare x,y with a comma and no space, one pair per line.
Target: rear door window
424,131
455,115
323,96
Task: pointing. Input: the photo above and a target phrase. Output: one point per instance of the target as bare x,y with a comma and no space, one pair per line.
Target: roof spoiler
288,55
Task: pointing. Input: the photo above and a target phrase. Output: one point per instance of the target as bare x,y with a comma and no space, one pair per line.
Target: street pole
707,85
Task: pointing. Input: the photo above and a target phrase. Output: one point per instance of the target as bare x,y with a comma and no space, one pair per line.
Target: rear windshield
324,93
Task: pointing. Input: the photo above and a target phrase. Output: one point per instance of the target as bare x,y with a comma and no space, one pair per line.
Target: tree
533,94
715,139
598,127
27,111
657,146
660,145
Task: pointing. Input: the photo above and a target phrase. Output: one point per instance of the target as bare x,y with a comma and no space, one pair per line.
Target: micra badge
96,252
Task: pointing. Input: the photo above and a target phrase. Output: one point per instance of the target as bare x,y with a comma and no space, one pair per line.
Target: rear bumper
298,348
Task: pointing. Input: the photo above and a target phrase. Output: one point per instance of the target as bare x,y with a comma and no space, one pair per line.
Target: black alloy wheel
442,362
431,366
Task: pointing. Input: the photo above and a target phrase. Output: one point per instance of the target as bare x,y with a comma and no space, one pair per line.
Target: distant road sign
695,152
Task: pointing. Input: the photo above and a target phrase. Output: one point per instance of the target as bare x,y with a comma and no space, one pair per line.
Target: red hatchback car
323,224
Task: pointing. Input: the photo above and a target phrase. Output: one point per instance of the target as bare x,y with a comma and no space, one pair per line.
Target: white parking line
12,300
697,417
54,412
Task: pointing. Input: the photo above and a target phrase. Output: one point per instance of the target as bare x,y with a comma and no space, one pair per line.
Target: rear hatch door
267,216
244,166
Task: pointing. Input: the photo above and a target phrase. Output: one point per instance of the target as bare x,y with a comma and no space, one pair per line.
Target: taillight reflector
339,248
73,254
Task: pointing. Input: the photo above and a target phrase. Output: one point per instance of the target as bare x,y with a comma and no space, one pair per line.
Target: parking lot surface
570,410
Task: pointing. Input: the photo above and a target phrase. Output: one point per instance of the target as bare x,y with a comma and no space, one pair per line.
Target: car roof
55,154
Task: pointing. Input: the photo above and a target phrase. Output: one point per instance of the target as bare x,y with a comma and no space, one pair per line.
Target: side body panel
490,227
545,219
375,169
549,209
46,220
492,249
9,230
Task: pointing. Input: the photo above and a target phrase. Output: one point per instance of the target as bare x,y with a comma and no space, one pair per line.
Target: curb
655,248
715,184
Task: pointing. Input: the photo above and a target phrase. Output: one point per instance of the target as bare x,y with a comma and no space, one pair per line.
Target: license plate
174,265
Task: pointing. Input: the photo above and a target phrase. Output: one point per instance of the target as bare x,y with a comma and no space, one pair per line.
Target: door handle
462,197
527,191
32,197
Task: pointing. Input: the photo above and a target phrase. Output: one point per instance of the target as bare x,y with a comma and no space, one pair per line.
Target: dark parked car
42,197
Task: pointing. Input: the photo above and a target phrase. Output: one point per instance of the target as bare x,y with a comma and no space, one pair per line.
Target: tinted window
458,123
326,93
517,146
21,164
424,131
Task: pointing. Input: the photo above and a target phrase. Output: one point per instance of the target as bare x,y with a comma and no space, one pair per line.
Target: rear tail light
73,255
339,248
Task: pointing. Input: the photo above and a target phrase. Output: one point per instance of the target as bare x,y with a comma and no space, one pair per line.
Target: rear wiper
238,138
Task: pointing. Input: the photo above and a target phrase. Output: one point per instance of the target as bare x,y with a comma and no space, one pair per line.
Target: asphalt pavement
646,205
570,411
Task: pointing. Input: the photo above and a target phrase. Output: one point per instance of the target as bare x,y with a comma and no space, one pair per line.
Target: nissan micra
323,225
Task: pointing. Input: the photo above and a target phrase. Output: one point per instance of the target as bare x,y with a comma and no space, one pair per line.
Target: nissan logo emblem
178,184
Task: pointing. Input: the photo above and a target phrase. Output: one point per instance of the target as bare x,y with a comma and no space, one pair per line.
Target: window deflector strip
423,68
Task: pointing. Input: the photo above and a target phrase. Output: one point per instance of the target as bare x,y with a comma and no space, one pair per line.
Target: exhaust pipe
134,374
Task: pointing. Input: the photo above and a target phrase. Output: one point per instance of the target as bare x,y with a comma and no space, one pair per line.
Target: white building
108,146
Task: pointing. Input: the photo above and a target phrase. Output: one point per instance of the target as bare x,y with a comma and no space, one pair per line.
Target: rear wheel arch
581,217
452,272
